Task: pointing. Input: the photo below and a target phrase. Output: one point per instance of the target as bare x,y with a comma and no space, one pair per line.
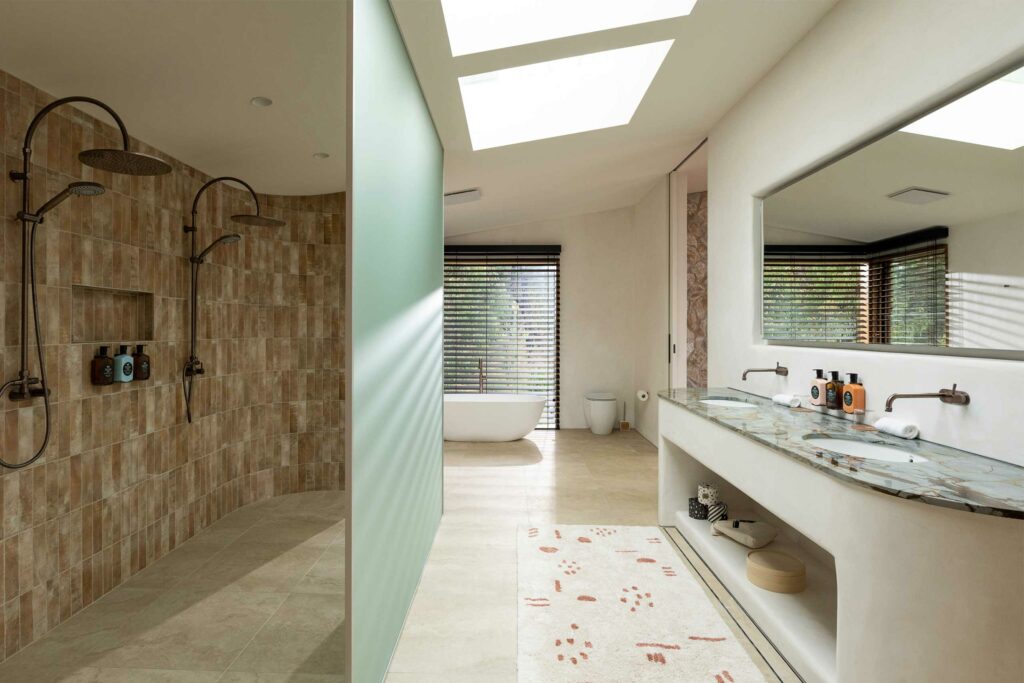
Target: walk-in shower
26,387
193,366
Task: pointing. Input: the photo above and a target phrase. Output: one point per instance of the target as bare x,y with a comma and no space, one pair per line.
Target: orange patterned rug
616,604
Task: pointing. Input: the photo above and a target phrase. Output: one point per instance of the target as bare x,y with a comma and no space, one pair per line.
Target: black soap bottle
834,391
102,368
141,361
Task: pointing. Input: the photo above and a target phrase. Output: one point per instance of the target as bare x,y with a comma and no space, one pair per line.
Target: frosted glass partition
395,241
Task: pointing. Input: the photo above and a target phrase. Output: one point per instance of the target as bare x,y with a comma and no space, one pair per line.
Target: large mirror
914,242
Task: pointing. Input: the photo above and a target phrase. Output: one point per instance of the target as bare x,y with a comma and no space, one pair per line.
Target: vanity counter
949,478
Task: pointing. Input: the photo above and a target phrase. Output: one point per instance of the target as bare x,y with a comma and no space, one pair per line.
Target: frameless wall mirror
914,242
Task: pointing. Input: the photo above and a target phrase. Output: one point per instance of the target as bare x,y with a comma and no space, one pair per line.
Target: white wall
650,304
596,301
862,69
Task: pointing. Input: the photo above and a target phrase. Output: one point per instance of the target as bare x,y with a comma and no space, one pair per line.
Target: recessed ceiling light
261,101
560,97
990,116
320,155
481,25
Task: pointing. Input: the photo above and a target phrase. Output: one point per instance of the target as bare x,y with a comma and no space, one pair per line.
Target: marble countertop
950,478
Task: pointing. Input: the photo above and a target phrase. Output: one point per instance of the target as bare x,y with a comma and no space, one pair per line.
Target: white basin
862,449
726,403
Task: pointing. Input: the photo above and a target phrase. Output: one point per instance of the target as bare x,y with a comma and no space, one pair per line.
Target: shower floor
258,596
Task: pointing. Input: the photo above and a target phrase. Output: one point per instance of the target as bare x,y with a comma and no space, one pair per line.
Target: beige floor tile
306,635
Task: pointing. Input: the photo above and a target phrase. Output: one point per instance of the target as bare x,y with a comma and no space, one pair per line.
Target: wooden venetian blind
501,311
893,291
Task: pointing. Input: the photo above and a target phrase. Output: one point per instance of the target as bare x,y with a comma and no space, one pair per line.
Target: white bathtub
490,417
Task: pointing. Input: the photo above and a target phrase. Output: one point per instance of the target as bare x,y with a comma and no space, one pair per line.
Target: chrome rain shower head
80,189
124,162
256,219
226,239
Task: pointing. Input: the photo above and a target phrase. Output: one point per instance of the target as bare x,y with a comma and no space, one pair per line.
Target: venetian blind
501,318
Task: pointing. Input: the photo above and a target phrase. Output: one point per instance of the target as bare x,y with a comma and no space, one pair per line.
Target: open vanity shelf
801,625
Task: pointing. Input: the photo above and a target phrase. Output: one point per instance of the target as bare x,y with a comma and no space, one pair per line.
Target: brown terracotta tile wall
125,479
697,289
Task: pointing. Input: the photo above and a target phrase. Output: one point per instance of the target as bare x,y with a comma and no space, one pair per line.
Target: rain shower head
256,219
80,189
226,239
123,161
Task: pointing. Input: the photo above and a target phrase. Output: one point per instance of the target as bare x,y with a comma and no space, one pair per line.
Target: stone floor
257,597
462,627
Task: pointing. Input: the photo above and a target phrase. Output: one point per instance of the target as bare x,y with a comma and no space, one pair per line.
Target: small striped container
718,511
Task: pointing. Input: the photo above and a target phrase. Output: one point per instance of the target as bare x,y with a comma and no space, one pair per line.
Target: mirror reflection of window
957,172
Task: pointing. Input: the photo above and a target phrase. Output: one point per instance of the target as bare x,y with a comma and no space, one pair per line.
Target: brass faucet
957,398
481,374
778,370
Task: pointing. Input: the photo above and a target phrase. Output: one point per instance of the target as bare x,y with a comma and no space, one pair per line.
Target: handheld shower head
80,189
226,239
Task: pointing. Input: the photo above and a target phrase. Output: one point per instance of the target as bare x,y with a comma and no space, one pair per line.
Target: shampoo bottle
124,370
834,391
102,368
818,388
854,396
141,362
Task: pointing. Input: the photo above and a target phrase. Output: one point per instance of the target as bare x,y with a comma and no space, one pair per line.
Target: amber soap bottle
834,391
818,388
854,396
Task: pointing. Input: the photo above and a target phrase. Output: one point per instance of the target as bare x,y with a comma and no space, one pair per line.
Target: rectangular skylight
992,116
481,25
560,97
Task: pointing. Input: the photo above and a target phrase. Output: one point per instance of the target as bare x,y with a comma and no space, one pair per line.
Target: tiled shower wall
126,479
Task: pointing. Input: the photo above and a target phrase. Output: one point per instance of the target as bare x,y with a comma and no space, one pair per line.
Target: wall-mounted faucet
778,370
957,398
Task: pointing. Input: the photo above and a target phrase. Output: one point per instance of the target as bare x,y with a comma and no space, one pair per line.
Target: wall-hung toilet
600,410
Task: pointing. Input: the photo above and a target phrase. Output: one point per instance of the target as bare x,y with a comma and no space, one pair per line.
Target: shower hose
42,359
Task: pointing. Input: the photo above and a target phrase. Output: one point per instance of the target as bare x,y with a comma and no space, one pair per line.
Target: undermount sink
726,403
863,449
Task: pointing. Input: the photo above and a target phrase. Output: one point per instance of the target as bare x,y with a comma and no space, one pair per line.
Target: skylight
481,25
560,97
992,116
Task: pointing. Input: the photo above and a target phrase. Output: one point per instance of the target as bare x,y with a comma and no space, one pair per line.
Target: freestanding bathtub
490,417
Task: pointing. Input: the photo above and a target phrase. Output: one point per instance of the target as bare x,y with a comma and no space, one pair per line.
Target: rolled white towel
791,400
898,427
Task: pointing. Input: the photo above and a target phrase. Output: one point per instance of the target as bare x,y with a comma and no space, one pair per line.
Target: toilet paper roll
642,395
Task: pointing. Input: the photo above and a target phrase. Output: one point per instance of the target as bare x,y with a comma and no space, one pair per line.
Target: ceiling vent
918,195
462,197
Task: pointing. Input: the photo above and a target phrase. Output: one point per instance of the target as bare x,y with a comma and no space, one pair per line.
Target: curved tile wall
126,479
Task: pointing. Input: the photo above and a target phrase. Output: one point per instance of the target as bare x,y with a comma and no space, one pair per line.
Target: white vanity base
915,592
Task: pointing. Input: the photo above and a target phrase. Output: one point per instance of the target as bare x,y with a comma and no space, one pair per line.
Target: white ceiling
181,74
721,50
849,199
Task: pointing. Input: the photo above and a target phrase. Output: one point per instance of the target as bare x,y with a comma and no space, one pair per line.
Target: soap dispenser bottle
102,368
141,362
854,397
818,388
124,370
834,391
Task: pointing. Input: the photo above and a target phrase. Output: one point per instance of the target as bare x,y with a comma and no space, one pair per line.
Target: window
501,315
889,292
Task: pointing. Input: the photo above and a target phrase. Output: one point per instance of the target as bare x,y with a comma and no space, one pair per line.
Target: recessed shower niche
102,315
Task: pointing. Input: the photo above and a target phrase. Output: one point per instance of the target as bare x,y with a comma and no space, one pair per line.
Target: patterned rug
616,604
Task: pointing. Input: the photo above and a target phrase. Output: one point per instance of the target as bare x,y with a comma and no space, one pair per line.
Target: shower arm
195,202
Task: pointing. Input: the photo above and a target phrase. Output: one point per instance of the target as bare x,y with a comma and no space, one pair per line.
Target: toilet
600,411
